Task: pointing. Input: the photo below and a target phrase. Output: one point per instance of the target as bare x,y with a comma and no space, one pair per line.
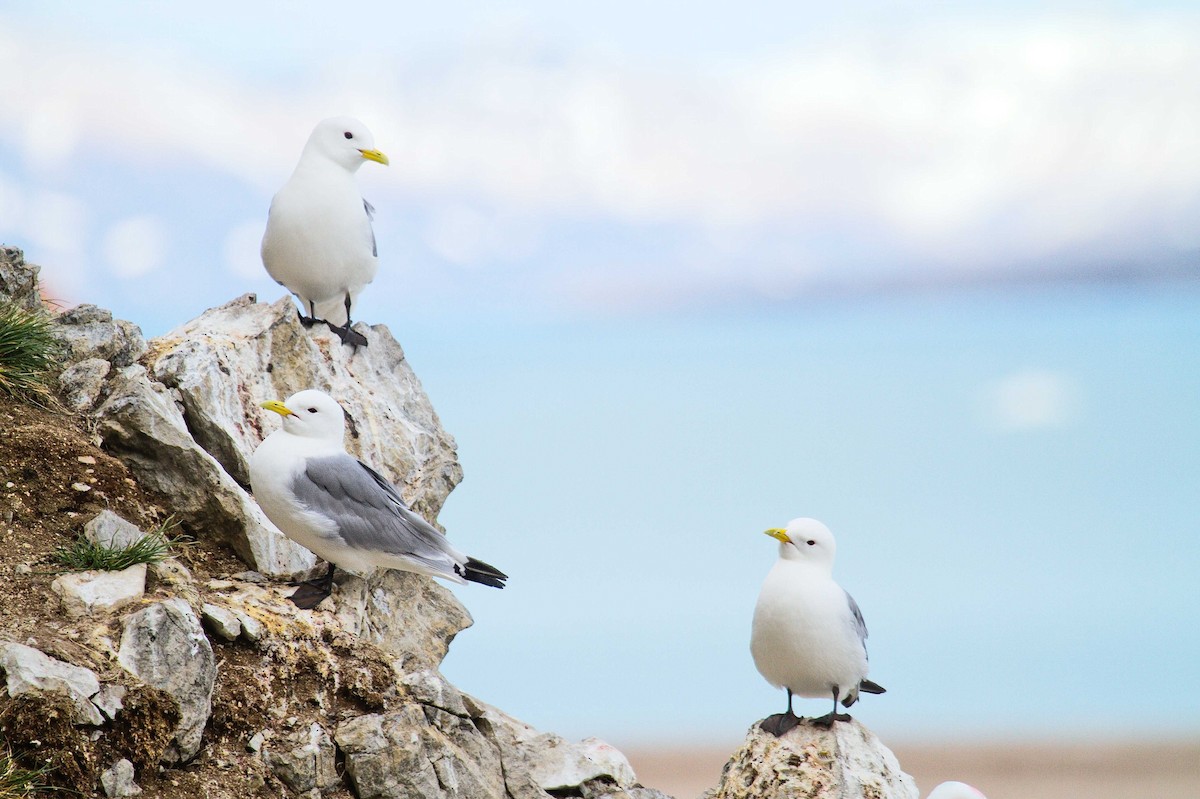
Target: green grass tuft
29,353
17,782
85,555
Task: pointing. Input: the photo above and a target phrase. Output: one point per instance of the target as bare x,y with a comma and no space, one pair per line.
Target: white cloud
469,236
135,246
1031,399
241,248
55,229
947,145
12,205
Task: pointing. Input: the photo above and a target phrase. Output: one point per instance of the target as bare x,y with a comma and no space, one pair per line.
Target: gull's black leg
827,720
348,336
312,592
311,319
780,723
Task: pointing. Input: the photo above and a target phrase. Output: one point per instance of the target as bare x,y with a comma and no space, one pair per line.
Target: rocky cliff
194,676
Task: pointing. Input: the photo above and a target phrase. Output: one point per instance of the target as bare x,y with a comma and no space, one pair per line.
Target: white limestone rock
18,280
232,358
29,670
419,751
223,622
117,781
91,332
552,762
303,761
411,616
107,529
91,592
110,699
845,762
82,383
164,646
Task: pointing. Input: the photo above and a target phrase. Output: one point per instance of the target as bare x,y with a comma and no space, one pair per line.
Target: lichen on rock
846,761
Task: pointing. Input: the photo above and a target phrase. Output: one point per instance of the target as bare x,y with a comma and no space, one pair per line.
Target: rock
164,646
552,762
448,744
236,356
256,742
18,280
141,423
110,699
418,751
27,669
223,622
81,384
305,760
90,332
118,780
429,687
107,529
846,762
560,765
408,615
603,789
252,628
90,592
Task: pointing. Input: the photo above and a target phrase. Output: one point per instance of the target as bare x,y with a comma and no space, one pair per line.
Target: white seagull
955,790
340,508
319,244
809,636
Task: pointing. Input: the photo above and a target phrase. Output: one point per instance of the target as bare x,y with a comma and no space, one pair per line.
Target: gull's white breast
803,637
318,241
273,468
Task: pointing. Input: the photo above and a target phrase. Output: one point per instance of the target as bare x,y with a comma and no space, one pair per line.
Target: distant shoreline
1005,769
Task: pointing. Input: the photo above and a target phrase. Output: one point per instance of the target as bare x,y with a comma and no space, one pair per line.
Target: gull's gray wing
370,209
369,513
860,625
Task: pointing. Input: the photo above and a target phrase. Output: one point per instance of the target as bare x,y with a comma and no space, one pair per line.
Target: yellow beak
375,155
278,407
779,534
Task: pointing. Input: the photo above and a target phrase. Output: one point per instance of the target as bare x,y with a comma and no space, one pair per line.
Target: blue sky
672,275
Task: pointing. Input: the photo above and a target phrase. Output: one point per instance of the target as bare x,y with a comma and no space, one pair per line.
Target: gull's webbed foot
308,596
779,723
349,335
828,719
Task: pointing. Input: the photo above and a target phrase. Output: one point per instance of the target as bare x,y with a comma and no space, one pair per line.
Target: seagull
319,244
955,790
343,510
808,635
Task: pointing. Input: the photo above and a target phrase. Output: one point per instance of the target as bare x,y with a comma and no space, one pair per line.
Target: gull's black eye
348,135
314,410
811,543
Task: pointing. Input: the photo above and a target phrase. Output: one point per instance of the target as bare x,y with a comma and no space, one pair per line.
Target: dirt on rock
53,479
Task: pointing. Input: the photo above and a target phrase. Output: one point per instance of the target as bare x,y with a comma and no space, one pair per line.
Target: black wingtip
479,572
868,687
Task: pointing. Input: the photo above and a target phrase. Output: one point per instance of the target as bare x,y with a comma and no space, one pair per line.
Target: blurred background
676,273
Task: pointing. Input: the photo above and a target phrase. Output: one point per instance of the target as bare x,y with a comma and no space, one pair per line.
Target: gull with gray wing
808,635
343,510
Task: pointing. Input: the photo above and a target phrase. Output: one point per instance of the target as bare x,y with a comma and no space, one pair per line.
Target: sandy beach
1005,770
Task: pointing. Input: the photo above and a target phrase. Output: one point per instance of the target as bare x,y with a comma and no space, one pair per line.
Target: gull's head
345,141
312,414
955,790
805,540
